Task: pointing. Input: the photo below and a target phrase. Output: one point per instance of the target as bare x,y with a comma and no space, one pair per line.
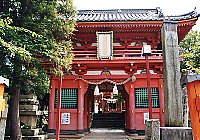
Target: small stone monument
28,116
152,129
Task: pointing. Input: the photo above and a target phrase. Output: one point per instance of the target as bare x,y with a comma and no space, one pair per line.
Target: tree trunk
15,130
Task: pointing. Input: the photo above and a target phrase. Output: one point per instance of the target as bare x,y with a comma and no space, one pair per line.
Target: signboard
65,118
105,44
146,117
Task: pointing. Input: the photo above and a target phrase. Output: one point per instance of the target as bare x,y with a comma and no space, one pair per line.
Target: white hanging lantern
115,91
111,95
96,90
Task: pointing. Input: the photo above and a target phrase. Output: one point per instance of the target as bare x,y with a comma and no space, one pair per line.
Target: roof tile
129,15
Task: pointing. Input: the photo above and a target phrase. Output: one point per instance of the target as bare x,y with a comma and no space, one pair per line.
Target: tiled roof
129,15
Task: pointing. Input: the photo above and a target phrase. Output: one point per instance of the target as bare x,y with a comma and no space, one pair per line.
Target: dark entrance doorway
109,108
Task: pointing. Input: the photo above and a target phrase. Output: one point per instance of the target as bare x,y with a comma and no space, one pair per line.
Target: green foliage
55,20
18,48
191,51
52,22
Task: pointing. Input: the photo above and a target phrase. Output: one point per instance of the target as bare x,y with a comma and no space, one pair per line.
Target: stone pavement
103,134
106,134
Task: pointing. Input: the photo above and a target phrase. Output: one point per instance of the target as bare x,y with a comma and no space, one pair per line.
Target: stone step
28,107
108,120
32,132
52,136
28,99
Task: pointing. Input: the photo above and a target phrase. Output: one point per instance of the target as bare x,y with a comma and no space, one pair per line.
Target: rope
133,78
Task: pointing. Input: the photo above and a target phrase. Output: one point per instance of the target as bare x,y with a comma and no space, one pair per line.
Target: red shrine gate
108,56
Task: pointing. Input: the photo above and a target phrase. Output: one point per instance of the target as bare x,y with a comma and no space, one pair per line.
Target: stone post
152,129
172,89
3,118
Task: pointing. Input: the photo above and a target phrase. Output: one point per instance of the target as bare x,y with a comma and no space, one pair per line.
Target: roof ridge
117,11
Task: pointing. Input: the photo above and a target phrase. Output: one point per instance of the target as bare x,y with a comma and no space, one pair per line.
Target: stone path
106,134
102,134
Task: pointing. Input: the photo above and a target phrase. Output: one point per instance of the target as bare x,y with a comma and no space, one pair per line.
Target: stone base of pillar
152,129
133,131
176,133
69,132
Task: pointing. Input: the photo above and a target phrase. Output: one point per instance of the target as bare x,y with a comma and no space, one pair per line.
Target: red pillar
131,108
80,106
51,105
161,102
58,108
85,110
148,87
126,110
88,111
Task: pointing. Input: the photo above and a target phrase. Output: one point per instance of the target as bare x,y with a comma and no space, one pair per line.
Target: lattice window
69,98
141,97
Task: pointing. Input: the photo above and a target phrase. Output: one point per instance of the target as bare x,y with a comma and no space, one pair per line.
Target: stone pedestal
28,110
176,133
152,129
28,116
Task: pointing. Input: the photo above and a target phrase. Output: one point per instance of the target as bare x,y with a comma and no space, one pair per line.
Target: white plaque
146,117
65,118
104,44
146,49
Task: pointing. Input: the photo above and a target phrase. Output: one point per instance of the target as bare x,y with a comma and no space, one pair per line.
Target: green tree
20,48
191,51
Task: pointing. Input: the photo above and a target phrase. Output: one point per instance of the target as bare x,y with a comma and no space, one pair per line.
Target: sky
169,7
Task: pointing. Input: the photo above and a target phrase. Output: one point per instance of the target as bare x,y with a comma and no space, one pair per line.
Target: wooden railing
117,53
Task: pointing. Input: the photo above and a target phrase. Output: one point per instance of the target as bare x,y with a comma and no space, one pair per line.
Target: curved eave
188,22
119,24
187,16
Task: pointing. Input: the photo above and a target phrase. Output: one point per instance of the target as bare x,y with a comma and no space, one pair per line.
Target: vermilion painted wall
134,117
73,119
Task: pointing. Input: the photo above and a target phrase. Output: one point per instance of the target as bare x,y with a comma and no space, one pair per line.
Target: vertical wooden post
80,106
172,89
58,107
85,110
148,87
51,104
161,101
131,108
88,112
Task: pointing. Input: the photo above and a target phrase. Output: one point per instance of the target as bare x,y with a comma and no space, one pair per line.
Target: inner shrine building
109,73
